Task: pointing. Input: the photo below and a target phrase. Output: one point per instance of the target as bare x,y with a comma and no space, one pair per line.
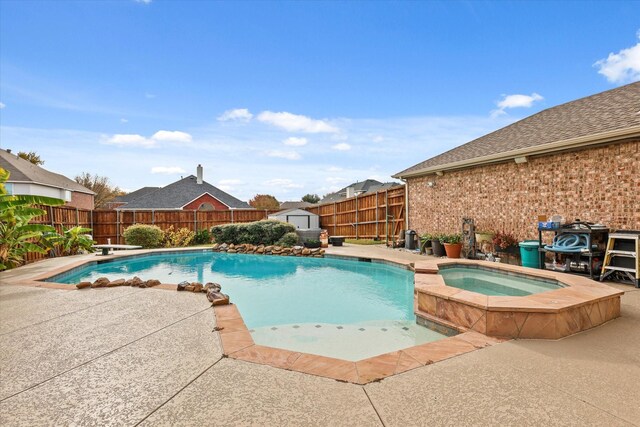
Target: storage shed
302,219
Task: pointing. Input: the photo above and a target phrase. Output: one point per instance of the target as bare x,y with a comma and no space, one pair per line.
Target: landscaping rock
152,282
306,251
216,247
189,288
119,282
260,250
231,251
182,286
215,286
217,298
136,281
83,285
197,286
100,282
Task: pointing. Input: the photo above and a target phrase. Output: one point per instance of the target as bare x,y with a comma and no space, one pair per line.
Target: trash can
530,254
410,240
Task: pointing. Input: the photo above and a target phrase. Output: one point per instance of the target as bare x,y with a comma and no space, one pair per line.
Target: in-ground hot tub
491,281
512,301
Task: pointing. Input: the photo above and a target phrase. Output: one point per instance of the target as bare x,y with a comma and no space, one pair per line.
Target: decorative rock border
213,290
247,248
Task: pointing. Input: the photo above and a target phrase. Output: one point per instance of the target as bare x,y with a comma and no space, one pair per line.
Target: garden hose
569,243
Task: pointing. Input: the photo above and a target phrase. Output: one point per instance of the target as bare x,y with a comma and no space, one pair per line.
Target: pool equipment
569,243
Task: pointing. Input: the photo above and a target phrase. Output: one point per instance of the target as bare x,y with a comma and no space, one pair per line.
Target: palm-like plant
17,236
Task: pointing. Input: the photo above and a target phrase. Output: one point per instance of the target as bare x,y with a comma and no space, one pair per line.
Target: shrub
147,236
288,240
179,238
266,232
202,237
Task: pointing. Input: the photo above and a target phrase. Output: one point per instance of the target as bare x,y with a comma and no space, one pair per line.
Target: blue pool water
337,308
493,282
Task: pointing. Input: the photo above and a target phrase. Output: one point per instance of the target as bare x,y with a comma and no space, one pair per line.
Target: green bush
288,240
266,232
202,237
147,236
451,238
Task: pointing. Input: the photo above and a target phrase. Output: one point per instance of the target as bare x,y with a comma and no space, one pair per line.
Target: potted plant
505,242
452,245
436,244
425,244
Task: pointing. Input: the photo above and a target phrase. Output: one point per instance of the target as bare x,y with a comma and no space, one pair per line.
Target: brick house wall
205,198
599,184
81,200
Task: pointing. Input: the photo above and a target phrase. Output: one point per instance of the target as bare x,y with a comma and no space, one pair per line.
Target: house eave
549,148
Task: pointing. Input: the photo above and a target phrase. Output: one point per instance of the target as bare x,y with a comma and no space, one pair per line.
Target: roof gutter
551,147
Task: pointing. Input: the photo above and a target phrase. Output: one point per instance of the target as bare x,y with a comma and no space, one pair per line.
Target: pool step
437,321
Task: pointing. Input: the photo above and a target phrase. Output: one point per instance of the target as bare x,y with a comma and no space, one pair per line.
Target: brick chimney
199,174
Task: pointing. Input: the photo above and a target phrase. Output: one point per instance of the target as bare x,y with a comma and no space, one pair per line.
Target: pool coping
579,304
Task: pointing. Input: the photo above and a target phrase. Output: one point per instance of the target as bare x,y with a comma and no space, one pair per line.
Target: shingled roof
134,194
600,114
22,170
180,193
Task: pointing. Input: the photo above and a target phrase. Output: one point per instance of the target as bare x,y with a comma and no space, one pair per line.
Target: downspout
406,203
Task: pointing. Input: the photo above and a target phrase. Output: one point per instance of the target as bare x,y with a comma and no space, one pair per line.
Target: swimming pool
332,307
496,283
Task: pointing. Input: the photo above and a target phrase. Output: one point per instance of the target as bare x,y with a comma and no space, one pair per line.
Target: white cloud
378,138
172,136
239,114
230,182
515,101
124,120
167,169
149,95
621,67
343,146
2,105
296,123
143,1
289,155
336,180
282,183
130,140
294,141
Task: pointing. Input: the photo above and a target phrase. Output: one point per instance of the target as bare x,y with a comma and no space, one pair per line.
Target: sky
290,98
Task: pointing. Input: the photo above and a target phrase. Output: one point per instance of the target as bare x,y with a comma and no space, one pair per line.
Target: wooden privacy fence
368,216
111,224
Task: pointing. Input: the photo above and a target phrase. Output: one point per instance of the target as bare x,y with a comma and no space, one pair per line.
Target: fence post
117,227
195,221
93,232
51,216
356,217
386,215
77,217
335,218
153,217
134,217
231,210
377,236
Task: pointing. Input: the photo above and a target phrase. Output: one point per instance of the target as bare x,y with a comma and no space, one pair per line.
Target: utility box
410,240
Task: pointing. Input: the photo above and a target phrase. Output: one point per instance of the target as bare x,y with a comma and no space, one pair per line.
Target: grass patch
364,241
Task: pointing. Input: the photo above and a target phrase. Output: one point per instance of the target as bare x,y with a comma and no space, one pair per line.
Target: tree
100,185
264,201
17,236
311,198
32,157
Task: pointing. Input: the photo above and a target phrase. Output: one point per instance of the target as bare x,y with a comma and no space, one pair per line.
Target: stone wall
599,184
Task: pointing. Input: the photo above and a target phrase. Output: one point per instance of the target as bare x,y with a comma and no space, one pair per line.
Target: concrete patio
129,356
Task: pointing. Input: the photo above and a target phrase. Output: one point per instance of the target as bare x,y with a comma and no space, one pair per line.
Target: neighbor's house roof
286,211
295,205
366,186
181,193
603,117
23,171
125,198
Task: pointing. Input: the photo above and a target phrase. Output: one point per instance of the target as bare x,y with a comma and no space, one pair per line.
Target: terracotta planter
438,249
453,249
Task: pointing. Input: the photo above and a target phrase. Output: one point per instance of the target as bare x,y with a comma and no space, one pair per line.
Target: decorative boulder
182,286
152,282
217,298
100,282
136,281
119,282
215,286
197,286
83,285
